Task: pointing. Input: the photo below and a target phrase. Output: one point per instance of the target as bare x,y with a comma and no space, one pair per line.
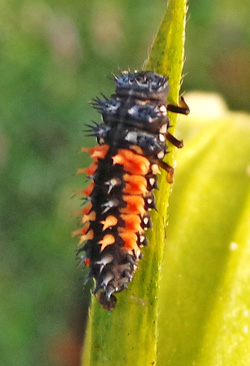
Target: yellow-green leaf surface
205,288
127,335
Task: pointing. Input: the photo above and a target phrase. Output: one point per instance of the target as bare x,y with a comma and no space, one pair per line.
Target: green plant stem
128,335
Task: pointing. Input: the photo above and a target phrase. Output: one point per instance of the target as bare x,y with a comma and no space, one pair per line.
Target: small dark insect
131,148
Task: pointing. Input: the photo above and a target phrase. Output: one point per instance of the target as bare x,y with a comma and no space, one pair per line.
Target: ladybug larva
131,148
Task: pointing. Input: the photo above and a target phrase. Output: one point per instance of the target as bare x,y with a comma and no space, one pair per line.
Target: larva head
142,85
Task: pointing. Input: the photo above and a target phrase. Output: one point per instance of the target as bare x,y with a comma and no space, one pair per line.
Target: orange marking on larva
106,241
87,191
84,211
76,232
87,149
92,149
81,231
135,184
132,162
118,159
78,193
109,222
88,236
96,152
135,205
87,209
100,152
132,223
87,262
90,170
130,240
90,217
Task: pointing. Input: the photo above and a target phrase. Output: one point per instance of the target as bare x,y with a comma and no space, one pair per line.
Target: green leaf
205,291
128,334
167,53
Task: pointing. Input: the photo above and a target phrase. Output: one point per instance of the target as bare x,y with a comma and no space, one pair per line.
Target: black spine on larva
135,120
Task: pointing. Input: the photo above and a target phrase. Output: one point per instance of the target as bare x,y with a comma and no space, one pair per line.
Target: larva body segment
131,144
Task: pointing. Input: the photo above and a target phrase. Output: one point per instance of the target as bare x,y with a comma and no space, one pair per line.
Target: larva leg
182,108
174,140
169,169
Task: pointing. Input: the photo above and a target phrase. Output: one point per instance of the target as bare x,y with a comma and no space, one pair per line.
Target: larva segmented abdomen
132,144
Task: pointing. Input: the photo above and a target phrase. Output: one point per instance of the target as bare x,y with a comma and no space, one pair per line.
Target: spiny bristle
97,130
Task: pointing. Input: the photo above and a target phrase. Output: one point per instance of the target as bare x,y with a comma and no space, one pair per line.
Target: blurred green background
54,57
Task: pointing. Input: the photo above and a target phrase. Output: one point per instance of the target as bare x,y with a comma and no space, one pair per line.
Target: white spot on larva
233,246
162,137
163,109
142,238
163,129
151,181
160,155
155,169
131,136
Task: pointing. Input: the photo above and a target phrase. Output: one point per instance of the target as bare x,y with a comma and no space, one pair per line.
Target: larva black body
131,146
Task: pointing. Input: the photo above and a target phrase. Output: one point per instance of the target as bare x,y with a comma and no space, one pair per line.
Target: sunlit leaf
205,291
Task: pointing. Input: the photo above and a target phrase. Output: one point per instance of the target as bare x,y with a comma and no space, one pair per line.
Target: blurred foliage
54,57
217,49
